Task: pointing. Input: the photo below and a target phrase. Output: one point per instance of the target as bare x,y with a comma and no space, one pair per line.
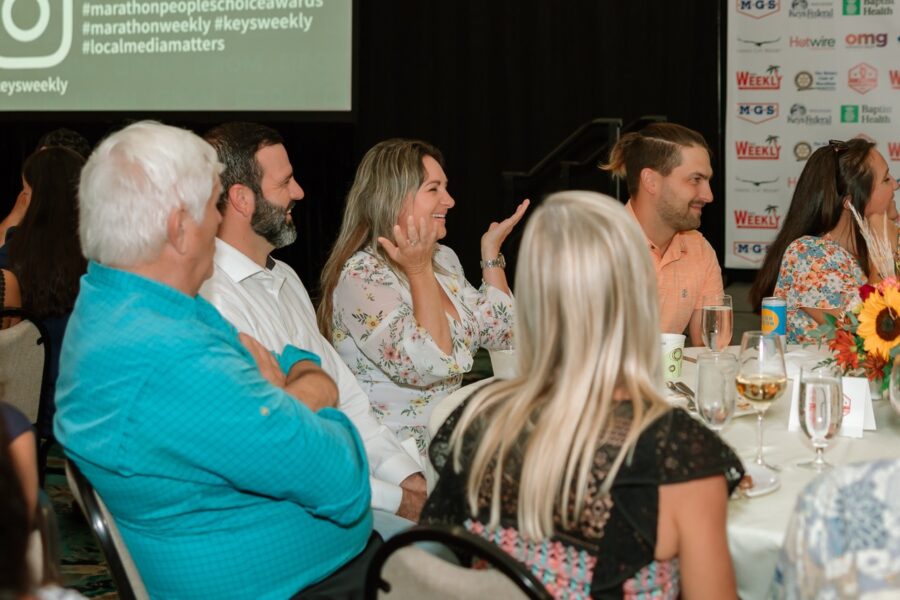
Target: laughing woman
395,302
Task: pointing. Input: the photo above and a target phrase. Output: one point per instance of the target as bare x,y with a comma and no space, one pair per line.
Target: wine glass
821,408
715,388
761,379
894,388
716,321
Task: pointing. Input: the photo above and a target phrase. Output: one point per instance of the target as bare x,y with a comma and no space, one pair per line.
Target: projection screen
176,55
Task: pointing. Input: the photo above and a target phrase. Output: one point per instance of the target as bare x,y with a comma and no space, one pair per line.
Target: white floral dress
396,361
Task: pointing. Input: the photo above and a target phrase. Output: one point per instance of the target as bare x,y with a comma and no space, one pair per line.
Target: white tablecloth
756,526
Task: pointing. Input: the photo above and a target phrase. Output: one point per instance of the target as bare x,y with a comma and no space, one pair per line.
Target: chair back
24,362
124,572
401,571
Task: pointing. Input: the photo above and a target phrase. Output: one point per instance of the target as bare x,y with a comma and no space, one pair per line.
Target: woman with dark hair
820,253
45,259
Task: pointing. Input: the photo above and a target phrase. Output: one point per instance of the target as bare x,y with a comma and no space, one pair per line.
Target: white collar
237,265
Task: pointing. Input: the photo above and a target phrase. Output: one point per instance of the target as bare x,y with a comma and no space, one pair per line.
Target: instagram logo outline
23,35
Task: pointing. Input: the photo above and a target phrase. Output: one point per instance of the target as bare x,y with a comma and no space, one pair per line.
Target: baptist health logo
872,8
30,34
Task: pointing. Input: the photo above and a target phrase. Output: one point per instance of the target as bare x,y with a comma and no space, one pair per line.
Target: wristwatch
494,262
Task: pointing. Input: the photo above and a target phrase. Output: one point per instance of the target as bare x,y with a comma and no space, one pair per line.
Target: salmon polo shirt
686,272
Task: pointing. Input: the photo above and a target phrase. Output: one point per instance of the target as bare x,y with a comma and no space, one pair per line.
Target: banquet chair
122,568
402,571
24,362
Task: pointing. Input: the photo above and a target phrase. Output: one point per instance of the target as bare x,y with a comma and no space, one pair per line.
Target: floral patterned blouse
814,273
844,537
395,360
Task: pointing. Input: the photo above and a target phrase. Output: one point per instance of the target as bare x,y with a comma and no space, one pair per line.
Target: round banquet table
756,526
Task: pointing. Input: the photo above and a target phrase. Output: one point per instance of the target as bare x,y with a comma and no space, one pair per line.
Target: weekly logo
769,80
758,9
894,151
862,78
769,150
748,219
757,112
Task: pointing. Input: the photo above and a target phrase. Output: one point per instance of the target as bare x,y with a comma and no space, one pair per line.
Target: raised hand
412,249
495,235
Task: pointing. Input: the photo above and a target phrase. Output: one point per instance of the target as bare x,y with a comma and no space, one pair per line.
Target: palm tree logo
772,140
772,70
771,210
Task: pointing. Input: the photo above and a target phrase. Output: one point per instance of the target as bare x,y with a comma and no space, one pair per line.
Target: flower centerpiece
865,339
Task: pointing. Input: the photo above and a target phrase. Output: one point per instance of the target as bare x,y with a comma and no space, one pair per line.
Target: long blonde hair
388,173
587,326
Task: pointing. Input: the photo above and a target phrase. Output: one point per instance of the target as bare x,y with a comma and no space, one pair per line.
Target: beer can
774,316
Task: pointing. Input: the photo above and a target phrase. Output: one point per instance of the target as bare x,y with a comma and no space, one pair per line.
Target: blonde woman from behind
579,468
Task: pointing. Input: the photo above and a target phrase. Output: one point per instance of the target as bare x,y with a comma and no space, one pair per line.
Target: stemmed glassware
821,408
761,379
717,318
894,387
716,372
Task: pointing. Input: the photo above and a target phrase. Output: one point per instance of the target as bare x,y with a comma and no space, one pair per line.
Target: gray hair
132,182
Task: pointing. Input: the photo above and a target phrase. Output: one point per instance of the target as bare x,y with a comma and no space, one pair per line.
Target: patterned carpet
83,567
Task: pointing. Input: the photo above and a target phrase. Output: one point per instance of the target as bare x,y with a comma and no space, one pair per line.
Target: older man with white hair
227,467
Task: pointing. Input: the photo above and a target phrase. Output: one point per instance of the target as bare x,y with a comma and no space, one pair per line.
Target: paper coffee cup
672,353
505,363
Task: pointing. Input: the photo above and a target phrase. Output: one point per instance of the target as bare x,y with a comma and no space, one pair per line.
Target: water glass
717,318
821,408
715,388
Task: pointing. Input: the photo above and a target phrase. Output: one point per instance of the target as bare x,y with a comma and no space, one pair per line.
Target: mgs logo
758,9
757,112
747,150
862,78
752,252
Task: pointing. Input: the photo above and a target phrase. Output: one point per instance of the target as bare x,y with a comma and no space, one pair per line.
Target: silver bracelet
494,262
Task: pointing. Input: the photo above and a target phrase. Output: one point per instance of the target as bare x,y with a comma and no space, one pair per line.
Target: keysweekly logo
758,9
27,47
869,8
753,252
769,150
895,78
866,40
894,151
748,219
862,78
757,112
770,80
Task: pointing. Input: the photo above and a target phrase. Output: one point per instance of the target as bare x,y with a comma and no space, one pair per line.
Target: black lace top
615,535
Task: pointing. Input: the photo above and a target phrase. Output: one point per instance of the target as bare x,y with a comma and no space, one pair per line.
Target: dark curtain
496,84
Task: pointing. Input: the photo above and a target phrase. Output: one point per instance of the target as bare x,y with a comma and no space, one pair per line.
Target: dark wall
495,85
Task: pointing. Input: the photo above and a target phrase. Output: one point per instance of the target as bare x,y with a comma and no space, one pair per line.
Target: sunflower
879,321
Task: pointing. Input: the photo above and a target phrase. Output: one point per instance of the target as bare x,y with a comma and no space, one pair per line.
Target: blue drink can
774,316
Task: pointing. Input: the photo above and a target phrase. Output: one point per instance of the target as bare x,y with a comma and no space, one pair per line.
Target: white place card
858,413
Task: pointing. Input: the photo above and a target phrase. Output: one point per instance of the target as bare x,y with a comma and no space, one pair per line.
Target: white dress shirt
272,305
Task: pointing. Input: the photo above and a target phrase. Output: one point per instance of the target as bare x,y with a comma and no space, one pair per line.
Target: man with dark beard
667,170
265,298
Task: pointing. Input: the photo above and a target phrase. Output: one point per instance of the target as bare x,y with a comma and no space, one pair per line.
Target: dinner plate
765,481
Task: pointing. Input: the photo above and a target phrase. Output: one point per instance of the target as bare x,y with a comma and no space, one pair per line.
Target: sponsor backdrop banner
801,72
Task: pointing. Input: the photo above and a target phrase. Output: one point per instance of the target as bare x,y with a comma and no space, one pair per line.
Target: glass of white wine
716,321
821,408
761,379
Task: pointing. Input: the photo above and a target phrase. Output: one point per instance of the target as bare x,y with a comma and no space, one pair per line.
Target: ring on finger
413,242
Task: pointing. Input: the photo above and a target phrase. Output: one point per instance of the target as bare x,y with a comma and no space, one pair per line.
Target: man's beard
271,222
673,214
